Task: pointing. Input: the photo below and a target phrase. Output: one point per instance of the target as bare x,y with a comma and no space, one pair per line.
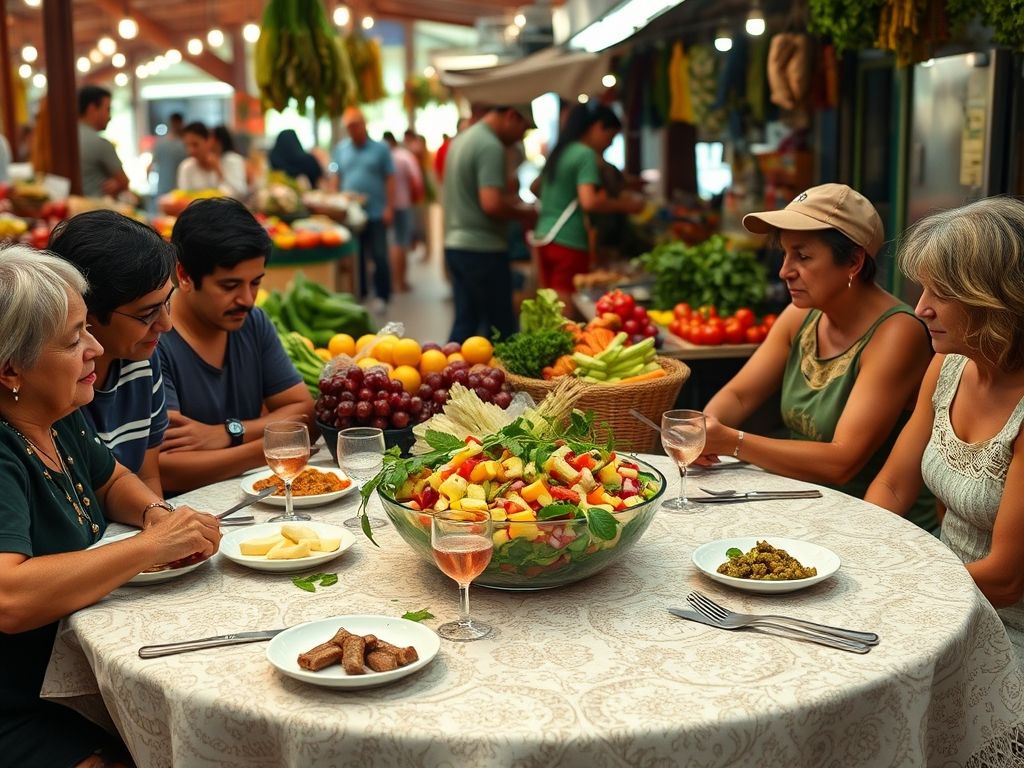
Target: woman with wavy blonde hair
964,440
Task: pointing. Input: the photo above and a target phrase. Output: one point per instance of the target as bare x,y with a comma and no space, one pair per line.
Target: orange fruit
367,362
455,356
477,349
341,344
409,376
433,361
384,348
406,352
363,340
323,354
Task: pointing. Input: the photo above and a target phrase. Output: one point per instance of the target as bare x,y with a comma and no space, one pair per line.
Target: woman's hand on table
182,533
720,440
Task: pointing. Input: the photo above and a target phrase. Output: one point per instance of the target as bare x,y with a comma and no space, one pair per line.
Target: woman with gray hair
964,440
58,487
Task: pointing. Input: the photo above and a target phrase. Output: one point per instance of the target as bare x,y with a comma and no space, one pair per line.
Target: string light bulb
121,79
107,46
251,33
128,28
342,16
194,46
29,54
33,3
723,41
608,81
755,25
95,56
118,60
39,80
367,22
173,56
25,71
83,64
215,38
583,98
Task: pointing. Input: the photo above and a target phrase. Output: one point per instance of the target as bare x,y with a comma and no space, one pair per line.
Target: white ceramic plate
708,557
283,651
155,577
230,547
249,481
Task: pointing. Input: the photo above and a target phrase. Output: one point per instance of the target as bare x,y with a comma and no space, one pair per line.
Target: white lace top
969,479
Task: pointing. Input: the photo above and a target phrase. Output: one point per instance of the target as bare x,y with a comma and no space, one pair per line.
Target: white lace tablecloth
597,674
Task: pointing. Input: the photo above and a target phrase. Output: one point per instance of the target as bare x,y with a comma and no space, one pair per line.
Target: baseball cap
525,111
828,206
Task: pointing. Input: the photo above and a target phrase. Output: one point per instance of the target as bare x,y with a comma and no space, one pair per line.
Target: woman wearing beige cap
847,355
964,440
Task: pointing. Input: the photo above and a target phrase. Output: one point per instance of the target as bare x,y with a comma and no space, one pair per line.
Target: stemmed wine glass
286,449
361,456
683,433
462,549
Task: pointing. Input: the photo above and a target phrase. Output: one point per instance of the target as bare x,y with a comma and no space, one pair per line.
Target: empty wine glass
462,549
361,456
286,449
683,433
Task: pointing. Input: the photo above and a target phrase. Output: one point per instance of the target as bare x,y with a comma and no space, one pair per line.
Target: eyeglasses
153,315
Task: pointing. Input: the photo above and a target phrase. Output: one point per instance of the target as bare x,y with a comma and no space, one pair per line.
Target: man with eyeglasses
226,373
128,266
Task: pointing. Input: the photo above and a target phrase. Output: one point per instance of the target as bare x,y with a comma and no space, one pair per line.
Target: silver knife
246,502
756,496
236,638
778,630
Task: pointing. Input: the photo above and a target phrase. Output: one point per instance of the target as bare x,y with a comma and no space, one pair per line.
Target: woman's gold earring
15,393
849,282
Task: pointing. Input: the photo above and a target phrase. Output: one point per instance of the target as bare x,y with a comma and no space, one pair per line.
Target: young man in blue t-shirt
128,266
226,374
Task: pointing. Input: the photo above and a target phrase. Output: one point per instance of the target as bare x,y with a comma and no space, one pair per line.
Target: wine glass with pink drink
462,549
286,449
683,433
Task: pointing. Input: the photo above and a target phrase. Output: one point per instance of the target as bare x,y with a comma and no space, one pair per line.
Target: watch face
235,427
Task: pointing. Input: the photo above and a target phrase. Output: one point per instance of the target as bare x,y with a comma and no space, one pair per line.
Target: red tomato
640,314
604,304
622,304
682,310
715,322
745,316
674,329
756,334
712,335
707,311
734,332
768,321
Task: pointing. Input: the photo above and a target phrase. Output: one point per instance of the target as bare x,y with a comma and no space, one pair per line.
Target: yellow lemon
477,349
409,376
406,352
432,361
342,344
363,340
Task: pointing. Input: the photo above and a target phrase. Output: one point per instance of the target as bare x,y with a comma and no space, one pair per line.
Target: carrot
650,376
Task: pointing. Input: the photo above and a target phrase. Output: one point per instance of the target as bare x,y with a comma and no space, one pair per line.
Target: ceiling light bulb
215,38
251,33
25,71
723,42
195,46
342,16
83,64
29,53
520,20
583,98
107,46
367,22
118,60
755,25
121,79
33,4
159,63
608,81
429,71
127,28
173,56
39,80
95,56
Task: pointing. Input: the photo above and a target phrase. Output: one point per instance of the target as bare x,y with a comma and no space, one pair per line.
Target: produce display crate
332,266
611,403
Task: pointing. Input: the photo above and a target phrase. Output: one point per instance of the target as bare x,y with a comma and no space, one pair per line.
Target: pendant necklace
79,503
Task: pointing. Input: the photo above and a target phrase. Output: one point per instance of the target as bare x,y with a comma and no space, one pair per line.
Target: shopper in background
288,156
408,187
365,167
569,189
231,158
847,355
168,154
964,440
207,167
225,372
477,209
427,192
102,173
59,487
129,269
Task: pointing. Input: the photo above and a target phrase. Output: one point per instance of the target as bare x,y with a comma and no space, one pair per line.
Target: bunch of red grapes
352,397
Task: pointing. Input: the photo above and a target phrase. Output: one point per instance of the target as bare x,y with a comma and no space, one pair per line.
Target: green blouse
814,394
37,519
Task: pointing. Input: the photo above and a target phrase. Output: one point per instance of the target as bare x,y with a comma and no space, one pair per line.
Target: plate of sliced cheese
285,547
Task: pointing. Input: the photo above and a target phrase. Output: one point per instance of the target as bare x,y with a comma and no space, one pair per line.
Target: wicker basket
611,403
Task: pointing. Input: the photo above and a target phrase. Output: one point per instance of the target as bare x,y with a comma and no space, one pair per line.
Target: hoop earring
15,393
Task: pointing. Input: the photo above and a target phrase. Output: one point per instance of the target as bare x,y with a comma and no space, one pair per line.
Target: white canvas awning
552,70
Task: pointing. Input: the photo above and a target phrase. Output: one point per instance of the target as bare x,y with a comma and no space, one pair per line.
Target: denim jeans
482,290
373,246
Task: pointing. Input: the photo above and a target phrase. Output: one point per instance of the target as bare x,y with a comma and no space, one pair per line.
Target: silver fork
713,610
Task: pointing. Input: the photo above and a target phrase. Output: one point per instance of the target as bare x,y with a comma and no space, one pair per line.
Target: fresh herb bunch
705,273
543,313
851,24
527,353
529,439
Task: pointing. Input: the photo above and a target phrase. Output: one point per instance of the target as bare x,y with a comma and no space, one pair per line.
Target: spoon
636,414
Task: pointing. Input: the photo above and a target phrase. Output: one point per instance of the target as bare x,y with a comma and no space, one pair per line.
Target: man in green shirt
478,205
102,173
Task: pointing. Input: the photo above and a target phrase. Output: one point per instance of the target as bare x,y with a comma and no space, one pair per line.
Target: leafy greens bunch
542,337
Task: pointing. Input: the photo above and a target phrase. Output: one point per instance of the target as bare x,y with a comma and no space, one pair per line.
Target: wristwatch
236,431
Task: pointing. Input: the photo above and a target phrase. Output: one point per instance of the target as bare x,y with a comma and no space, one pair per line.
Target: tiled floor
426,311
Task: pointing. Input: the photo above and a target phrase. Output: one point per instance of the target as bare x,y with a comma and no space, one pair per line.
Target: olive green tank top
814,394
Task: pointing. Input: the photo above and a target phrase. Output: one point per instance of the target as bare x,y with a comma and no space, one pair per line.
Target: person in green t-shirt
848,356
569,188
58,487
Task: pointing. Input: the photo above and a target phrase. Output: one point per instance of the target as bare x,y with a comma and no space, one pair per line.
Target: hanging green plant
1005,18
851,24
